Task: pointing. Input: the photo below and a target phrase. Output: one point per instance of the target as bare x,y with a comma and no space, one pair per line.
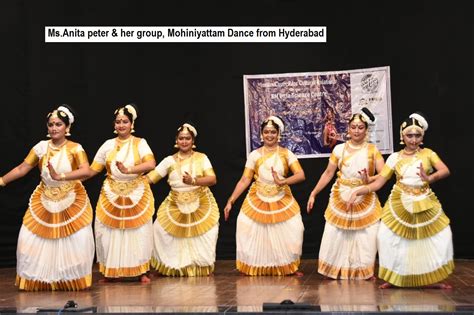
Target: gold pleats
105,210
422,205
36,207
401,221
179,224
417,280
353,222
284,270
66,285
188,271
124,271
269,211
333,272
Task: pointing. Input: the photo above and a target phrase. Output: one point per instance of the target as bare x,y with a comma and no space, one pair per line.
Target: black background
428,46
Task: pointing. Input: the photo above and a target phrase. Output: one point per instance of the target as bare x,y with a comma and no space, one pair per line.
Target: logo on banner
369,83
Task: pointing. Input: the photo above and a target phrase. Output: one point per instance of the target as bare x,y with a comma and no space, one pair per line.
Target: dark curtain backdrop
429,48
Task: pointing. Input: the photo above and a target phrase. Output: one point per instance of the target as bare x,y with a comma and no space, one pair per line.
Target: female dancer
269,226
349,244
56,246
187,225
123,224
414,239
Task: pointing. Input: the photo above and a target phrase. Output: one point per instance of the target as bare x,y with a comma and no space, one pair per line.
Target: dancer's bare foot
298,274
385,285
144,279
371,278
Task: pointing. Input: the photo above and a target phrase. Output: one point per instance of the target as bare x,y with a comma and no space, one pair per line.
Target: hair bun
367,114
419,116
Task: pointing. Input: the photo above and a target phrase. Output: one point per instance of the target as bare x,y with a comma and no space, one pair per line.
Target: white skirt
267,245
180,252
55,260
348,254
126,251
412,257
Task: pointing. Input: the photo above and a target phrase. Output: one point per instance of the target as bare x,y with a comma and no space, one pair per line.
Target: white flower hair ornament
190,128
421,120
277,121
66,110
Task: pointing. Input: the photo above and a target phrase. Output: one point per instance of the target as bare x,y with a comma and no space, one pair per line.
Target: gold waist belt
353,182
413,190
186,196
268,190
124,188
58,192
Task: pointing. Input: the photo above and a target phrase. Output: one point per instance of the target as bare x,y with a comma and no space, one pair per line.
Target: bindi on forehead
269,129
185,136
55,120
122,120
409,135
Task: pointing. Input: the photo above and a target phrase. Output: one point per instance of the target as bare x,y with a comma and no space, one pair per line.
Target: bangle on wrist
368,189
62,176
2,183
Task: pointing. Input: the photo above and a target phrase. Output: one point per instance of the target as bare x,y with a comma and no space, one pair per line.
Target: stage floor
227,291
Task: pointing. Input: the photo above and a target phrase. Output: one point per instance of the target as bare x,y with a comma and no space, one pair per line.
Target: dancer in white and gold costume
269,226
414,239
187,224
349,242
56,245
123,225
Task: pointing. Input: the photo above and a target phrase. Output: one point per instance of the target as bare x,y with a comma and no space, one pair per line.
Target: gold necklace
275,156
52,147
121,143
56,147
355,147
265,149
405,152
181,159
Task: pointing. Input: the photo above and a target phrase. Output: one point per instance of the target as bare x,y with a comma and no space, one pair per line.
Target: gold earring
279,138
176,145
115,131
67,133
133,129
194,146
261,138
48,135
